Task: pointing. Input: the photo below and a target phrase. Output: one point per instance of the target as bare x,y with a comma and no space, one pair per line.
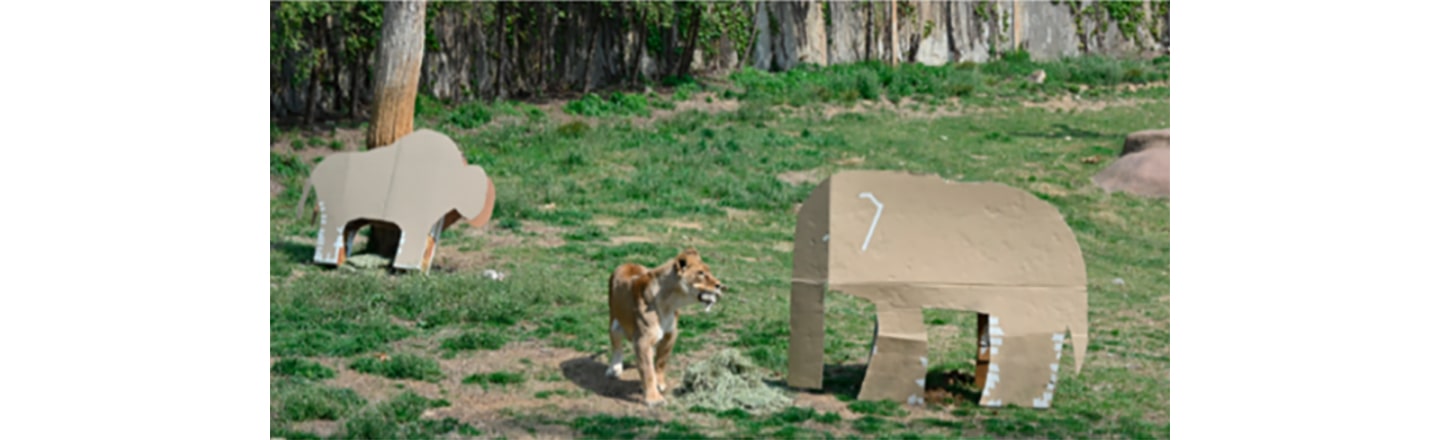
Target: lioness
644,306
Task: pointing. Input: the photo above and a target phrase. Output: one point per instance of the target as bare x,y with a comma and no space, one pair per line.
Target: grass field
587,184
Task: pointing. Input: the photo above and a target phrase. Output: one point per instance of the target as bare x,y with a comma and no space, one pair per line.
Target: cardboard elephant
421,185
909,242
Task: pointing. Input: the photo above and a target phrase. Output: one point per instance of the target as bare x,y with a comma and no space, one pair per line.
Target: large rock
1145,173
1145,140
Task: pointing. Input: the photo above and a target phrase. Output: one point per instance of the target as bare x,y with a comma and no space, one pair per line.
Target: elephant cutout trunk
907,243
419,185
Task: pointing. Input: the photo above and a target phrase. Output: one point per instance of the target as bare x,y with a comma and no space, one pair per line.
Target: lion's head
697,279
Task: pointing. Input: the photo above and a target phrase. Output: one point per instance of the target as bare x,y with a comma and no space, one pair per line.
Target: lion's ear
680,263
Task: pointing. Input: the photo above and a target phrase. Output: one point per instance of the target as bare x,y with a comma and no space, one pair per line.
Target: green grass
400,366
565,195
400,418
301,368
299,401
492,339
500,378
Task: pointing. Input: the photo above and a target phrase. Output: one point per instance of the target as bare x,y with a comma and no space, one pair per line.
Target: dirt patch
608,222
623,239
1049,189
685,225
319,143
1070,103
449,258
738,214
797,178
275,187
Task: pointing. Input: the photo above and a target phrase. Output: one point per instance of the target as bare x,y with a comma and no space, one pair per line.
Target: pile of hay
361,262
729,380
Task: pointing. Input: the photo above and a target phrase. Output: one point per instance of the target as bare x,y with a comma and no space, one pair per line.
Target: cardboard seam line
930,285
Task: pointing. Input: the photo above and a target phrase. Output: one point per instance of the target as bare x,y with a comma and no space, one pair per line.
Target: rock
1145,140
1146,174
1038,77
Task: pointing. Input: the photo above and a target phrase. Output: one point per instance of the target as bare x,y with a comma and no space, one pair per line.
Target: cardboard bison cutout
421,185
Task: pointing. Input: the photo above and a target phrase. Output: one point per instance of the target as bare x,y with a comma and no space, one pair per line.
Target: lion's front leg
662,357
645,351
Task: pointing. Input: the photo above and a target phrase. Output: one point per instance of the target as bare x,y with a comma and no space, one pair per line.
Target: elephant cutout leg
897,368
1022,368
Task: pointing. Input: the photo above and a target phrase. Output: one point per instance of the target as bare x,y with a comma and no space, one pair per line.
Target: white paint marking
614,325
920,382
996,332
1054,368
826,238
1040,403
924,362
879,208
915,400
1059,337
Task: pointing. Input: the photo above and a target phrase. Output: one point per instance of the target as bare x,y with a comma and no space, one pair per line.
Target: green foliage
399,418
301,368
501,378
874,80
298,401
287,166
885,408
492,339
298,34
573,129
870,424
470,115
400,366
620,104
608,426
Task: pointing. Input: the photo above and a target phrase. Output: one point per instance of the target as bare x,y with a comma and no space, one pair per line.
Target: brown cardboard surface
909,242
419,184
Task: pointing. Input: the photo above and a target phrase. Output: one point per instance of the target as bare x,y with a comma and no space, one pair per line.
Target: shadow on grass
844,380
298,253
589,373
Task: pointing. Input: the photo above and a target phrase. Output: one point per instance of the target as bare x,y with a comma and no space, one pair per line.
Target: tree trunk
591,25
688,56
397,79
500,50
642,34
894,36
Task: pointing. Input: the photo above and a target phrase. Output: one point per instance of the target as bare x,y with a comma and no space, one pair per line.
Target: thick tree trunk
688,56
397,79
397,73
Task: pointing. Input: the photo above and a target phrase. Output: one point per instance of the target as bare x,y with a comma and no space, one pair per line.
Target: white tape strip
879,208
